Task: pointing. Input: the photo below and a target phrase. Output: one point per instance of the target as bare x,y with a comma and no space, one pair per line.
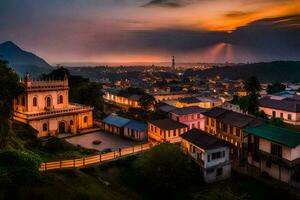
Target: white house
211,153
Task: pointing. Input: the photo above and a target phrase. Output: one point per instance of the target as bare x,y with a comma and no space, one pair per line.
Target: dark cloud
168,3
237,14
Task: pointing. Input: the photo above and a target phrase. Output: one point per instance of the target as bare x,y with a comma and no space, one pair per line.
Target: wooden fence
92,160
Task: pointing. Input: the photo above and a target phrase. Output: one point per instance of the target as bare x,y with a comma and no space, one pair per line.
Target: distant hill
23,61
276,71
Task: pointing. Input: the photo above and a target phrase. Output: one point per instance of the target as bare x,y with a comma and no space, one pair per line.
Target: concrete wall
295,117
138,135
195,120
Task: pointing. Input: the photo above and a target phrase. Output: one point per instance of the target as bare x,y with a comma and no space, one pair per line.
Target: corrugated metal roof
140,126
276,134
116,120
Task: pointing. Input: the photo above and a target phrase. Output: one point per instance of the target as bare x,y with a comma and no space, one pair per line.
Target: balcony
51,112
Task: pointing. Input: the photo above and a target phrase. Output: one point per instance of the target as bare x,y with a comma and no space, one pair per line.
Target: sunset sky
154,30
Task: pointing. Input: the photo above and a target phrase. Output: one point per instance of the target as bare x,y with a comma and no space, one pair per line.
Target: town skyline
152,31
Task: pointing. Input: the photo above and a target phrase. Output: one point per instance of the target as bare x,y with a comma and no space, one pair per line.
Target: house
122,100
202,102
166,130
45,106
211,153
164,96
190,116
228,125
125,127
286,108
274,151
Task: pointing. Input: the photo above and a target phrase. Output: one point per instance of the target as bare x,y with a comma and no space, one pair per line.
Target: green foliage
163,169
147,102
249,103
277,122
10,88
275,88
81,89
218,193
18,167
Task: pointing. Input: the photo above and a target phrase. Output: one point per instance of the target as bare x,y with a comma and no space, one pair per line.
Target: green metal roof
276,134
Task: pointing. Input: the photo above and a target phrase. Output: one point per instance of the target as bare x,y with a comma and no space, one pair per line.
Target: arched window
34,101
71,122
48,102
45,127
61,99
85,119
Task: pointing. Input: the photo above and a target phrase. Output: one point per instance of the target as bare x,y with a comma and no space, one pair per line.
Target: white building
211,153
274,151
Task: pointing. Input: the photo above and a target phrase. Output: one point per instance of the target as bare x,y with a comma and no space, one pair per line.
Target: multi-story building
286,108
274,151
228,125
45,106
211,153
166,130
190,116
164,96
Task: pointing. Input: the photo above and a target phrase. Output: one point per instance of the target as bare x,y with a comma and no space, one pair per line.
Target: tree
275,88
249,103
10,88
18,167
163,169
147,102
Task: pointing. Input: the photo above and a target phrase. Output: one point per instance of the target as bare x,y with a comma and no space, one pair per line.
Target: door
62,127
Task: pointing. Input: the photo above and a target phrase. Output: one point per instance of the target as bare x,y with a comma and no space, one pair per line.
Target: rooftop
203,140
118,121
233,118
189,100
188,110
291,104
168,124
276,134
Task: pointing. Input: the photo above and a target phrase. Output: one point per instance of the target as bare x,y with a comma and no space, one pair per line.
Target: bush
164,169
18,167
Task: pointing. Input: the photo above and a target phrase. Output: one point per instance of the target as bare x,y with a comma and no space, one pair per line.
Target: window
273,114
23,101
34,101
224,128
238,132
281,115
85,119
231,130
219,171
48,101
71,122
60,99
198,116
289,116
45,127
212,123
192,149
276,150
208,158
269,164
174,133
210,170
215,155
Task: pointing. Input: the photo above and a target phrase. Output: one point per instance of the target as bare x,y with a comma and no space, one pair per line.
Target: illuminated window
45,127
85,119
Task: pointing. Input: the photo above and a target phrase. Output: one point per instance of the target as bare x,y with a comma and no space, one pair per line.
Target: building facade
166,130
190,116
228,125
45,106
286,108
274,151
210,153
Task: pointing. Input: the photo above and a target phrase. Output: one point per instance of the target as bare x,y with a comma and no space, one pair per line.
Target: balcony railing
75,108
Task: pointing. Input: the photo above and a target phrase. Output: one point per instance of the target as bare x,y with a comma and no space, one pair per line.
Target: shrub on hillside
18,167
164,168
